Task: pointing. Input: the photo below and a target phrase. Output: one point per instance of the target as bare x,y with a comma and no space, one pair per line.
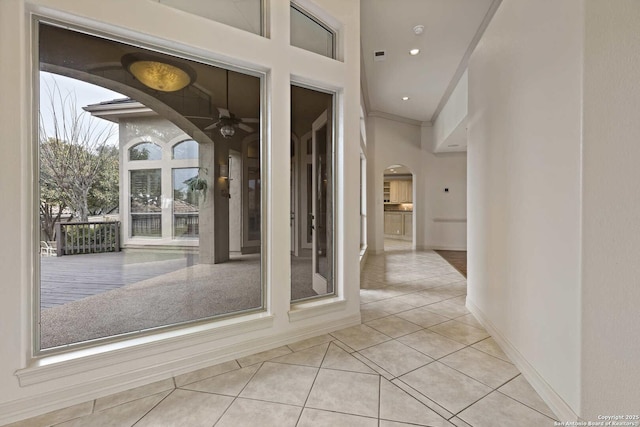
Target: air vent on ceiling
379,55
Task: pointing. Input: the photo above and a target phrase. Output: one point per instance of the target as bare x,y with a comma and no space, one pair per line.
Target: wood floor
458,259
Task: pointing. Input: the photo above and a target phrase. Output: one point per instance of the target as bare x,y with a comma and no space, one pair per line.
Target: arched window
185,150
145,151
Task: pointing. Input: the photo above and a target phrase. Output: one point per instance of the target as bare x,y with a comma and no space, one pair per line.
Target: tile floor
419,359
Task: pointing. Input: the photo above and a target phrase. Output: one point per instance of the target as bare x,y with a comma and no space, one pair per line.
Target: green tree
75,158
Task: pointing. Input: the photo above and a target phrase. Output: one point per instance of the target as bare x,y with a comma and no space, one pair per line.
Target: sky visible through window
85,94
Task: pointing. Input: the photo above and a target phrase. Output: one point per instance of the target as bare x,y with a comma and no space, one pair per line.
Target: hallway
419,358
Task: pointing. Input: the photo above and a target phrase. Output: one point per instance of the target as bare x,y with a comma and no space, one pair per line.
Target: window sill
306,310
52,367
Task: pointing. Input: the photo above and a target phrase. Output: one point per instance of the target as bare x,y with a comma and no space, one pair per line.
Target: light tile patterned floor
419,359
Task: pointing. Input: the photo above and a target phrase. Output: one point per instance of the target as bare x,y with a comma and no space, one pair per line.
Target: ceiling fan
228,122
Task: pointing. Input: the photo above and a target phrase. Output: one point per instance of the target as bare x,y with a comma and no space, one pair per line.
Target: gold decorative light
158,73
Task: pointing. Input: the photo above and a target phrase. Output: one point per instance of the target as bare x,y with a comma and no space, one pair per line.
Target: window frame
190,327
334,34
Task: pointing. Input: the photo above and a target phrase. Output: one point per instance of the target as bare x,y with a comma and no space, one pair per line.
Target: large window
140,226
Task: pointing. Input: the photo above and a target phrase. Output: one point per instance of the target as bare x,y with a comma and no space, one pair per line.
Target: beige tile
460,332
133,394
187,408
458,422
360,336
250,413
445,386
343,346
394,326
230,383
470,319
422,317
368,314
487,369
431,344
422,399
308,357
56,417
317,418
391,306
489,346
126,414
447,309
376,368
207,372
347,392
337,358
280,383
385,423
461,300
498,410
520,390
417,299
310,342
264,356
396,405
395,357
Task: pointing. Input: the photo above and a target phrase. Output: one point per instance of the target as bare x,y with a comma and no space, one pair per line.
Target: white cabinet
398,225
393,223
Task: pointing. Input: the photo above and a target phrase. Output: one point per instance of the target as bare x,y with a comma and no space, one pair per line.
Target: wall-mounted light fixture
224,171
158,73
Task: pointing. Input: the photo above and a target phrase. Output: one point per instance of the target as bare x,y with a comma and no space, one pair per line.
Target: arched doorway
397,195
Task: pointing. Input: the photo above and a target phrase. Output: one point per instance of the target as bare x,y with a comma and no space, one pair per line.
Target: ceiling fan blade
224,112
245,127
213,126
245,120
199,117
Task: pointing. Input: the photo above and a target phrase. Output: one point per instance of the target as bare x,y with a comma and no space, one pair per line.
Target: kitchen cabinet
407,224
393,223
400,191
398,225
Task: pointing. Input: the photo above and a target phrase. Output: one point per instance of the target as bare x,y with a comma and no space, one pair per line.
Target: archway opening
398,202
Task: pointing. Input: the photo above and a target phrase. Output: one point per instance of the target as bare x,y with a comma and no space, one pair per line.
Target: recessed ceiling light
414,52
418,29
405,98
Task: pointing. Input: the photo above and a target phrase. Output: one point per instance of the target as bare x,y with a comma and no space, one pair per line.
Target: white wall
54,382
452,116
439,217
611,205
524,190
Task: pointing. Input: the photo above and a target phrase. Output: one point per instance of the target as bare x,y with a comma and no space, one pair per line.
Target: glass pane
309,34
114,269
186,150
313,251
145,151
245,15
186,203
146,210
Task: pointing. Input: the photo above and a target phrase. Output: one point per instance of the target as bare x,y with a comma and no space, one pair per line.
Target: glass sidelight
312,259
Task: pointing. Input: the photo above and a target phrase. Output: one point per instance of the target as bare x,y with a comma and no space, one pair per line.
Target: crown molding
395,118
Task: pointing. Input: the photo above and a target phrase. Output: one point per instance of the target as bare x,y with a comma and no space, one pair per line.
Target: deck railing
87,237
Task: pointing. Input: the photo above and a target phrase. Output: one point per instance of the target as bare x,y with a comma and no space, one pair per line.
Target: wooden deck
70,278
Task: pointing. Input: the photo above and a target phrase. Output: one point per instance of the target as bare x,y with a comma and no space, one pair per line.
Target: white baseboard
559,407
43,403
